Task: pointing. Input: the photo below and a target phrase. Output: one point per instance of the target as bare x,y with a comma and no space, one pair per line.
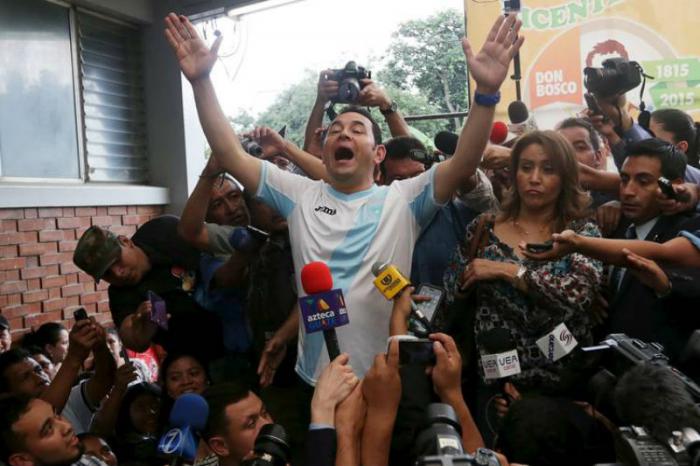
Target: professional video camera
440,443
349,82
627,353
635,447
271,447
616,77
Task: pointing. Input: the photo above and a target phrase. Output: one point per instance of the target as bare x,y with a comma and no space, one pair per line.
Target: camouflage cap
96,251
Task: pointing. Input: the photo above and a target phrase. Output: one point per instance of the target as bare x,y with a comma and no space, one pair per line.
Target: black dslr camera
627,353
440,442
271,447
616,77
349,82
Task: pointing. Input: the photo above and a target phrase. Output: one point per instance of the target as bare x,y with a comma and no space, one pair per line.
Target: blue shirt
228,304
438,241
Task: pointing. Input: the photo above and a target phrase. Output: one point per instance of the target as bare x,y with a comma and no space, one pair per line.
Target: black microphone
519,116
652,396
446,142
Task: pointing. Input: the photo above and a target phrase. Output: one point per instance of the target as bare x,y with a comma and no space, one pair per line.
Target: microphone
390,282
187,418
247,239
519,116
501,360
446,142
499,132
323,309
652,396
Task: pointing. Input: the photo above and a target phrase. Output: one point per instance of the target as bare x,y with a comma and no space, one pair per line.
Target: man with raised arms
346,220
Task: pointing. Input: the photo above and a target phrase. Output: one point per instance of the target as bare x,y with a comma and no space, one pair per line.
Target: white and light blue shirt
349,232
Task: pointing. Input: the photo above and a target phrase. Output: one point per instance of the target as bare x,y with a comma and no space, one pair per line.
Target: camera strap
644,115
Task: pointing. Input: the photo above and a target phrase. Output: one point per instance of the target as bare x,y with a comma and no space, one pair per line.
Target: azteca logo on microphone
323,311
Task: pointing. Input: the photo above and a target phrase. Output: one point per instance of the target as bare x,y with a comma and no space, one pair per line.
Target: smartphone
592,104
259,235
667,188
159,315
80,314
435,294
414,351
537,248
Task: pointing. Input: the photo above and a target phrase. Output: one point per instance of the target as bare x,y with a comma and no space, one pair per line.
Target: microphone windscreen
517,112
316,278
499,132
446,142
191,410
497,340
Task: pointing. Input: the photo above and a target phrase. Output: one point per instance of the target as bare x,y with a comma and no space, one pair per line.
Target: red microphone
499,132
323,309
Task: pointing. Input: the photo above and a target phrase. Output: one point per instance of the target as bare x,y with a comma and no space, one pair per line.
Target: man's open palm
490,66
195,58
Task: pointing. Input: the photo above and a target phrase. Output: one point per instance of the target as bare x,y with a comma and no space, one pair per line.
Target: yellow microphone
390,281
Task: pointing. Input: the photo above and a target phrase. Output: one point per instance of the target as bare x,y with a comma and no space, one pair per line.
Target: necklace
541,230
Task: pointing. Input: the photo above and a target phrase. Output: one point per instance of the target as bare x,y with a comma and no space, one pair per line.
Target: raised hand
372,95
489,67
195,58
270,140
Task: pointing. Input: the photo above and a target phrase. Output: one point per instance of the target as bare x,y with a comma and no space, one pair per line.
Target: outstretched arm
489,69
678,252
196,61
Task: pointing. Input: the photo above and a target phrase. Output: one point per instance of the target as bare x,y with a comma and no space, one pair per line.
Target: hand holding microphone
187,419
390,282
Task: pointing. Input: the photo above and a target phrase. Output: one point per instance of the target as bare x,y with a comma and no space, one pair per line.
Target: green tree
426,56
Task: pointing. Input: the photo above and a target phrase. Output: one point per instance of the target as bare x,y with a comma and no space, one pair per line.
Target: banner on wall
564,36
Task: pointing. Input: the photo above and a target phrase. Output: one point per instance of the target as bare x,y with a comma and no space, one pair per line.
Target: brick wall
38,280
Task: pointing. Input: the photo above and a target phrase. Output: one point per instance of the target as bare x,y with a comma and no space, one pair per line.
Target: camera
616,77
440,442
349,82
635,447
627,353
251,147
271,447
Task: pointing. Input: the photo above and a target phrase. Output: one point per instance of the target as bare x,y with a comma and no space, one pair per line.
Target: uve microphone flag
323,311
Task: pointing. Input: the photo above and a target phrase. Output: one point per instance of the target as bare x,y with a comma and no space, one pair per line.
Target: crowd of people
542,246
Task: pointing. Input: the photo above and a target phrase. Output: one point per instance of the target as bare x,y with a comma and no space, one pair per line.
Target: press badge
558,343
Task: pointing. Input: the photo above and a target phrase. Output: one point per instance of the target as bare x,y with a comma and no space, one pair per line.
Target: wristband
487,100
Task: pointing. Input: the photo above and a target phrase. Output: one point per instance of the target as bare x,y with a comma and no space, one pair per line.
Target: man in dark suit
650,301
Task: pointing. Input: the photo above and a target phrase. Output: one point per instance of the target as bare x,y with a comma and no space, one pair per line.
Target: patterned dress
558,291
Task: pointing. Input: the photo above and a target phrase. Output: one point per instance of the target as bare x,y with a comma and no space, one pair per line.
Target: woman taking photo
520,301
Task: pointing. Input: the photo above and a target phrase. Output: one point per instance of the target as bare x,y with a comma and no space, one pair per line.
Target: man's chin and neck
350,184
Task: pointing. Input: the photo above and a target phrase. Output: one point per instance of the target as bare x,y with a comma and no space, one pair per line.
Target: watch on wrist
520,278
392,108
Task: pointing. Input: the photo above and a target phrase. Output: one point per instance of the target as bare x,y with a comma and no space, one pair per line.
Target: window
114,121
38,137
71,97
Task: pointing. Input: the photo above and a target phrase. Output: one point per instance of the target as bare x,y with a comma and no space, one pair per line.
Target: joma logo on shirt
325,210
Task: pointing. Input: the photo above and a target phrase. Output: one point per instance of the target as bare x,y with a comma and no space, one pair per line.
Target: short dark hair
586,124
547,431
8,359
219,397
683,128
376,130
11,410
673,161
399,148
